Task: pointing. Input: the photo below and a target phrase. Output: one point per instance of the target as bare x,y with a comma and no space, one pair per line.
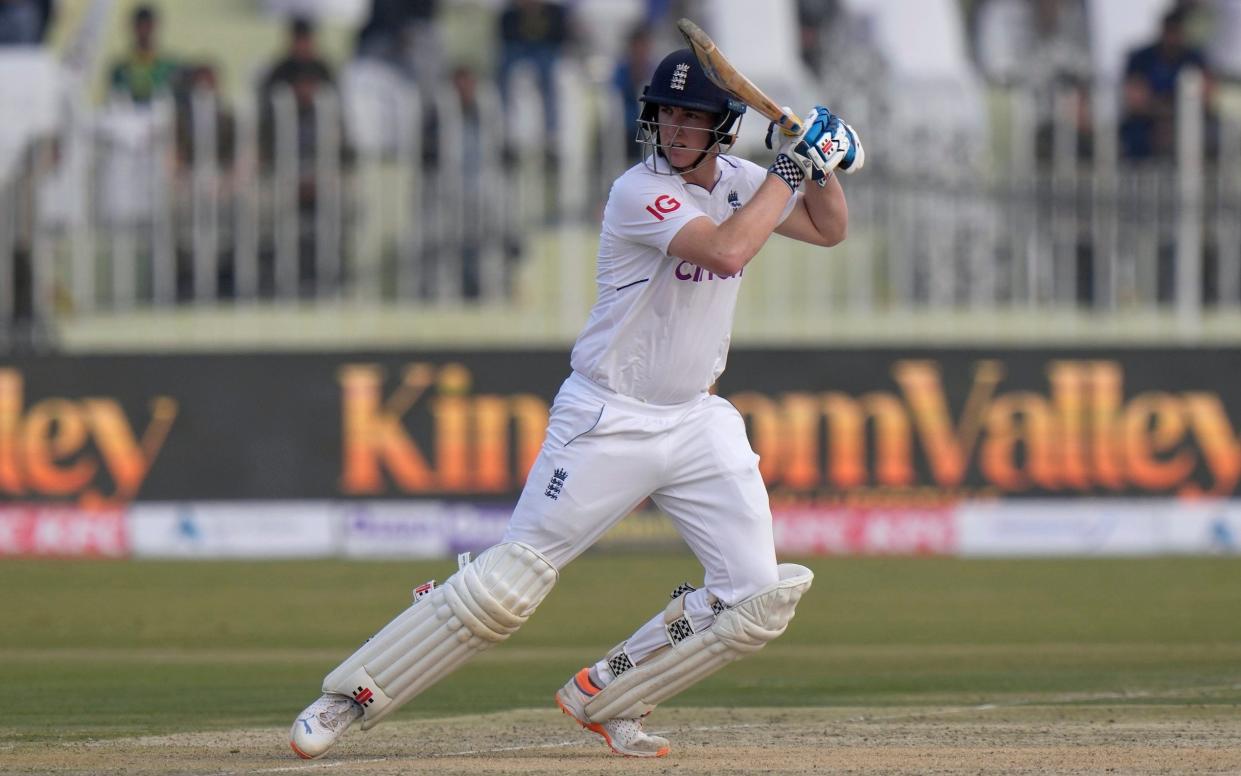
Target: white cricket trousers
605,453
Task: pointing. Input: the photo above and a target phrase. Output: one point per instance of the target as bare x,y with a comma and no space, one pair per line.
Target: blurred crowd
1041,46
1045,45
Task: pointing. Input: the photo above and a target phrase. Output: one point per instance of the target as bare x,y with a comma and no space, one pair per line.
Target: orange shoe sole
595,727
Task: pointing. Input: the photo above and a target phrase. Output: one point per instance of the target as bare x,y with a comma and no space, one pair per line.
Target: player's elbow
722,260
835,234
728,260
829,238
828,233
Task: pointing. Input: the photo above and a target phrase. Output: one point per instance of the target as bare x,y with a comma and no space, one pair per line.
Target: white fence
382,197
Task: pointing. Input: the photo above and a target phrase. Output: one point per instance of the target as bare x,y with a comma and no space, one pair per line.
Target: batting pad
479,606
738,631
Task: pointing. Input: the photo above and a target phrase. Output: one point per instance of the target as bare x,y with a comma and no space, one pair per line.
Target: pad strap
737,631
618,660
677,623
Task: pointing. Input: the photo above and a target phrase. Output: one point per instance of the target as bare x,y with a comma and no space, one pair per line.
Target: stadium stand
383,204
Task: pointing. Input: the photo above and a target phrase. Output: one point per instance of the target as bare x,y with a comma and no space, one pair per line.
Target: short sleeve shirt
660,328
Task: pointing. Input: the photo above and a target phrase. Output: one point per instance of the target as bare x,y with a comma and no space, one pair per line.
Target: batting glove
788,165
826,143
831,143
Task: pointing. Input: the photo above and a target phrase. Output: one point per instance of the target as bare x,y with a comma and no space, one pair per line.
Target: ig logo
663,204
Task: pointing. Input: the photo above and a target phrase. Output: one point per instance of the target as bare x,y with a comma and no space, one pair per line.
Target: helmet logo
678,77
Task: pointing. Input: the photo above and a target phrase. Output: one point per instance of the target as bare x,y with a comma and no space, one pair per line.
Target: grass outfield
114,649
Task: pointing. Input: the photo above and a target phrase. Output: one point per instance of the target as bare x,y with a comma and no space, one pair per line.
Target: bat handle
789,125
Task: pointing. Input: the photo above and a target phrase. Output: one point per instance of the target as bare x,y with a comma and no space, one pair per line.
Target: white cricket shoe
323,721
624,736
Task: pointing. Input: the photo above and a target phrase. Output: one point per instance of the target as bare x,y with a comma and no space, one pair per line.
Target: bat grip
789,125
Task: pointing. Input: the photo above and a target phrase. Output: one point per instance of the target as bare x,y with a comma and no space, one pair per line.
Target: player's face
684,133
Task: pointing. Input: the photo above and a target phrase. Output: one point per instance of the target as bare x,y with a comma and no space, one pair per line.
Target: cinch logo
696,274
663,204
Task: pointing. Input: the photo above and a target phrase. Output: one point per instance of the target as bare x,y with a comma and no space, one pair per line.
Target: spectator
813,17
305,76
474,189
1148,126
144,72
23,22
1147,129
29,327
1041,46
840,44
534,32
201,80
200,101
301,63
1012,36
401,33
632,73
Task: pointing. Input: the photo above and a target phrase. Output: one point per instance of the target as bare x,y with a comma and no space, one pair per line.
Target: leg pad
479,606
737,631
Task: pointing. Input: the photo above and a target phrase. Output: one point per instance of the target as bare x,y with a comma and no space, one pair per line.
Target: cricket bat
724,75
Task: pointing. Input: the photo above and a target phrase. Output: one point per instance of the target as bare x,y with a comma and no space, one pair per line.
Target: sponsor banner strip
444,529
36,530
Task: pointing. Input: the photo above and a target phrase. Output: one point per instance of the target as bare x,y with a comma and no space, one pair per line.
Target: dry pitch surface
900,666
1025,739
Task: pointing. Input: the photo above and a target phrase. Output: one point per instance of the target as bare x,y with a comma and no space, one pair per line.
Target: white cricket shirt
660,328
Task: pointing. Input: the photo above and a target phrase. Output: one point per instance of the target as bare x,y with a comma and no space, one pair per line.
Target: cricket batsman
635,420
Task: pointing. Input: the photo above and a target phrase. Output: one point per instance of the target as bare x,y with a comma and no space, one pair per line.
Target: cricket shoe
323,721
624,736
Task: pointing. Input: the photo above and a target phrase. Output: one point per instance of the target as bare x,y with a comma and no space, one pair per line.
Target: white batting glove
788,166
831,144
826,143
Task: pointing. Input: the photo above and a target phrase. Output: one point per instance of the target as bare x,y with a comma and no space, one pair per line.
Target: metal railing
381,197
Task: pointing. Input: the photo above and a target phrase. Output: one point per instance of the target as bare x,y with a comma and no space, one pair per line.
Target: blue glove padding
826,143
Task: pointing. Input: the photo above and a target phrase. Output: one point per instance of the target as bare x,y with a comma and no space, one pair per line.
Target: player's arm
724,249
820,217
